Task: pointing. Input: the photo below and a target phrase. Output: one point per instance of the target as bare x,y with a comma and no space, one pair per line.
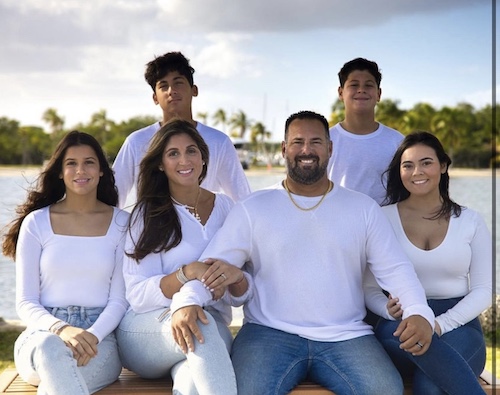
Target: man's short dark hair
307,115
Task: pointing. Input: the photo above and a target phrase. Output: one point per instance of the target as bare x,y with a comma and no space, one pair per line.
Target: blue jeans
451,365
44,360
270,361
147,347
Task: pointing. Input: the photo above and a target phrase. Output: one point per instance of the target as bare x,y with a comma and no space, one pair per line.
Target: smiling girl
67,242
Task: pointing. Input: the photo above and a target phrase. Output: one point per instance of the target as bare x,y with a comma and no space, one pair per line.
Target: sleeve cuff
191,293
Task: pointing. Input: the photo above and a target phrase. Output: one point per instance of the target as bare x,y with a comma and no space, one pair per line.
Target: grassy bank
6,348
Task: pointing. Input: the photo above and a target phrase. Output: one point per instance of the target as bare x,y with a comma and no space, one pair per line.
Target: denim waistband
72,310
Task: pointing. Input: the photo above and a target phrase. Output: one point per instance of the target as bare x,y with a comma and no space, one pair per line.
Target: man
171,78
363,148
306,244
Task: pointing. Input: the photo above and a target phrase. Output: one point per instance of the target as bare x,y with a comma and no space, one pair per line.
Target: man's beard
306,176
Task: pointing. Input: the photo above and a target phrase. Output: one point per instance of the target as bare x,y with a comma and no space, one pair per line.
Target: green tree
202,116
338,113
389,113
35,145
119,131
56,124
446,125
240,122
10,145
220,118
418,118
100,126
258,135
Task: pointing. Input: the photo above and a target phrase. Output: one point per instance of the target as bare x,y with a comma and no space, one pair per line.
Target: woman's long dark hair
49,187
396,192
162,228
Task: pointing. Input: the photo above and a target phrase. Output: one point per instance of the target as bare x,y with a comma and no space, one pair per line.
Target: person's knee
51,348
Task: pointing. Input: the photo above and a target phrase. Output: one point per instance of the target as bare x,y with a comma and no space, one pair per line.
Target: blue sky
267,58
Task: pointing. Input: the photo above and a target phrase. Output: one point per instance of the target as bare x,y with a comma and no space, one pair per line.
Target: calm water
474,192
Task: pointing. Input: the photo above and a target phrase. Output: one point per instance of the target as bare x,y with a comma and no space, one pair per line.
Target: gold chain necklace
192,209
330,185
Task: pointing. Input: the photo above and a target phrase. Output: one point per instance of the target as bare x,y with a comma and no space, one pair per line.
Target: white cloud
296,15
222,57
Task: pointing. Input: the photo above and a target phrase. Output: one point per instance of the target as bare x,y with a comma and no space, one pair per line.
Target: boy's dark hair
359,64
160,66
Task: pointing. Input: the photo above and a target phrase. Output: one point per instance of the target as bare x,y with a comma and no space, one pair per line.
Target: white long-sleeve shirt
58,271
307,266
359,160
142,280
459,266
224,172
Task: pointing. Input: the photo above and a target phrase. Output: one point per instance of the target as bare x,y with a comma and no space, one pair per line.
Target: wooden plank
130,383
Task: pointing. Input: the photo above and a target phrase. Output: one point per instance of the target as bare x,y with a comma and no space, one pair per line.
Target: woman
173,221
450,248
67,242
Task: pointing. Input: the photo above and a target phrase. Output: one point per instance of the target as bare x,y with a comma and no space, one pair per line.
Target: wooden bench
130,383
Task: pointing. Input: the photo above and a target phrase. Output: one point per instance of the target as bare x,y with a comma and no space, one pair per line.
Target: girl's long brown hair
49,187
162,228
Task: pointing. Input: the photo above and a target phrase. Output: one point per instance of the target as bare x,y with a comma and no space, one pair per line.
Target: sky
266,58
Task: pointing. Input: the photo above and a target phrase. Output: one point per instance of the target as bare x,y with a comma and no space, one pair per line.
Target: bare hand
82,343
220,274
394,308
218,293
415,334
185,326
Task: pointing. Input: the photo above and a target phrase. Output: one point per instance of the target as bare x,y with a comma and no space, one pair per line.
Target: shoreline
29,171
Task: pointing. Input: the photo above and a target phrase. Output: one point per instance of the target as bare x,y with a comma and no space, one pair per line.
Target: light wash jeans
44,360
451,365
270,361
147,347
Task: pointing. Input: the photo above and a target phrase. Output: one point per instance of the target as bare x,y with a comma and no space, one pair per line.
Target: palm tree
240,121
418,118
202,116
338,113
388,113
448,127
220,118
55,122
258,135
100,125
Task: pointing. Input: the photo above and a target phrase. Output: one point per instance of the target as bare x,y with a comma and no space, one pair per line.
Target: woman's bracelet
181,276
58,326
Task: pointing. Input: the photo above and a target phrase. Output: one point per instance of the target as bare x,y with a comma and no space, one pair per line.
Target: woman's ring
223,276
420,345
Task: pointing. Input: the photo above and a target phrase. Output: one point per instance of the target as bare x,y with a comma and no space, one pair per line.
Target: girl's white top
460,266
55,270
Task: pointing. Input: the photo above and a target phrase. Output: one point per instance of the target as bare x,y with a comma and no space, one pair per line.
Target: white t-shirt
224,172
359,161
58,271
459,266
307,266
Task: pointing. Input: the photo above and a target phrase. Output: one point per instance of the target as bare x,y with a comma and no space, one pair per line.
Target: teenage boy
363,147
171,78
